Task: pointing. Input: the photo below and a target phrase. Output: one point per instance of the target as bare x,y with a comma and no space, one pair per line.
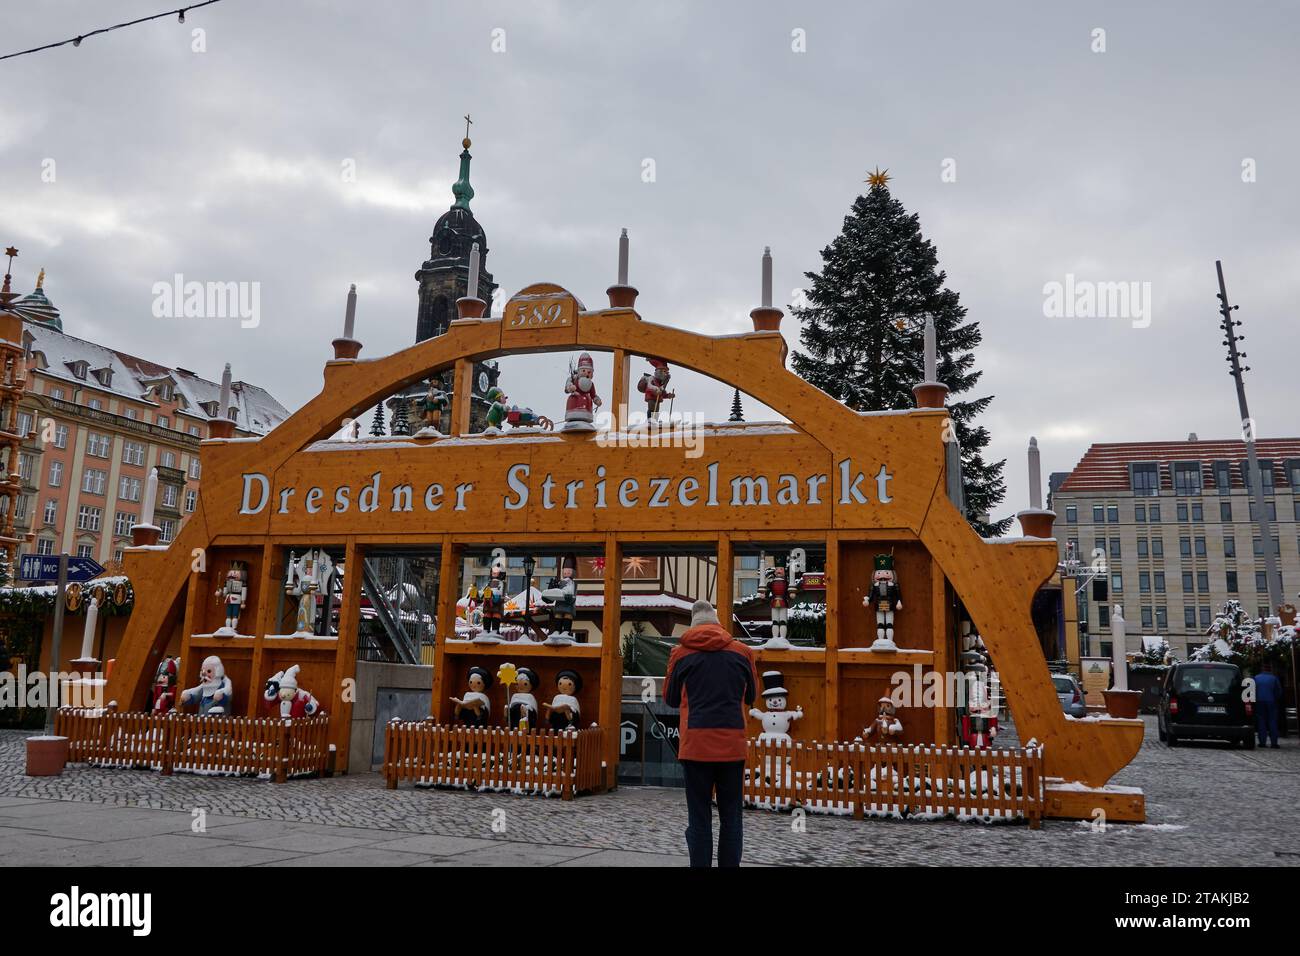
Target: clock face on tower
482,383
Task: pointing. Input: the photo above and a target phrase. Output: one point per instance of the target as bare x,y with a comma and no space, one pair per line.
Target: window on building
1117,583
1203,581
1098,514
1144,582
1140,514
51,511
1189,617
1160,582
85,551
1200,547
1182,512
169,494
98,445
1146,480
117,555
1269,506
1198,511
1225,510
56,474
1295,506
1185,547
122,523
167,459
1103,615
25,466
88,518
131,413
60,436
1231,582
1229,546
20,508
1223,477
195,468
1153,512
1187,477
1072,514
1162,618
1112,514
163,422
1293,472
133,453
1261,581
165,391
1143,548
1158,547
1114,549
128,488
1205,615
96,404
58,393
194,430
1187,582
24,423
191,500
168,532
92,482
45,546
1148,619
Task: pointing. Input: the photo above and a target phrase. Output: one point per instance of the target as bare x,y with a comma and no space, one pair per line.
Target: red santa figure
164,685
293,701
580,408
654,385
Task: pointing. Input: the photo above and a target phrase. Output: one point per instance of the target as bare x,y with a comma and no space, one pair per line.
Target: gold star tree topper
877,177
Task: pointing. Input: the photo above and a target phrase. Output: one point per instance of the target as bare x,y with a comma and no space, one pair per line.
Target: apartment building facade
98,420
1171,529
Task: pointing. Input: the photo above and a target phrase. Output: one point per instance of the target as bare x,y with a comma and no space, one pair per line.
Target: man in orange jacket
713,681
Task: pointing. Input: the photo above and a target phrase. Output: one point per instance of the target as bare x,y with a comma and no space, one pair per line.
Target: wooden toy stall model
868,492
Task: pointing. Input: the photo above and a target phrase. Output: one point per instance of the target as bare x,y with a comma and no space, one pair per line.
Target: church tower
444,277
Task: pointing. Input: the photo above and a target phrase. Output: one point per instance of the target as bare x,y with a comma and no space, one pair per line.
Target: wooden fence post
281,752
165,735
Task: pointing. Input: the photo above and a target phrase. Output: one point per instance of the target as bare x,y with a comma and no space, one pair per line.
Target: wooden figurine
293,701
779,592
164,685
474,708
886,598
492,602
433,405
580,407
233,593
527,418
654,386
308,578
886,726
497,410
562,600
522,711
562,711
214,692
776,719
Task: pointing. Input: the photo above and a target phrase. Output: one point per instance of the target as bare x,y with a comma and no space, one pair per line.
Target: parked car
1205,701
1070,695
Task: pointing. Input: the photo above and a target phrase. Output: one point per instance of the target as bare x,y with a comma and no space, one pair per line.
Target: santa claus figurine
886,726
654,385
885,597
474,708
164,685
294,702
580,408
214,691
562,711
776,719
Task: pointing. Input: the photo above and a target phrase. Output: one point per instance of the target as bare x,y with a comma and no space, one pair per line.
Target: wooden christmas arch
994,580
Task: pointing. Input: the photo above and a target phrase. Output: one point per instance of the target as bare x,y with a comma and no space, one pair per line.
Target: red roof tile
1105,467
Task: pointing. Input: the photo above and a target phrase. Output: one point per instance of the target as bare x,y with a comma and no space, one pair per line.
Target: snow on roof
258,409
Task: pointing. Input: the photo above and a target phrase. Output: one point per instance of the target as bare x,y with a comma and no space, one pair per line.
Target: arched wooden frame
996,581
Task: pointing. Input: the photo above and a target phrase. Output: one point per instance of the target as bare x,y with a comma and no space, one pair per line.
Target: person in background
713,681
1268,702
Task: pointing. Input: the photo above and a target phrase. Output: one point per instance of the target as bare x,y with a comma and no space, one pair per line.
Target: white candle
473,272
1035,476
150,497
225,392
1119,647
350,317
767,277
931,351
88,638
622,258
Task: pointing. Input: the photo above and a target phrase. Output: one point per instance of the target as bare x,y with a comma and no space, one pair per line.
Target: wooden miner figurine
562,600
654,386
885,597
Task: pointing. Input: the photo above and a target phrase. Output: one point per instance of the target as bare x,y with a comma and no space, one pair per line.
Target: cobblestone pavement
1207,805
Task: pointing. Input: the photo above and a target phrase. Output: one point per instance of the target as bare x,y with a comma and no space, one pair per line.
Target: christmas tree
863,326
737,413
377,422
400,424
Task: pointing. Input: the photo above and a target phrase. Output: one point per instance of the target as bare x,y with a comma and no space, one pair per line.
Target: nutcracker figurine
562,600
654,385
580,408
433,405
886,725
293,701
234,595
164,685
779,591
979,725
562,711
885,597
307,578
474,708
492,604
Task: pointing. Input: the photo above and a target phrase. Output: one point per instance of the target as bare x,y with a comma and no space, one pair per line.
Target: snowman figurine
775,718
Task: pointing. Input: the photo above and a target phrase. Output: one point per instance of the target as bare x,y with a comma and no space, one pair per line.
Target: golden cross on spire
877,177
468,121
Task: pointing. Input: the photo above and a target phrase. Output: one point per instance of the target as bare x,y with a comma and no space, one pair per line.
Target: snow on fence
543,762
268,747
922,782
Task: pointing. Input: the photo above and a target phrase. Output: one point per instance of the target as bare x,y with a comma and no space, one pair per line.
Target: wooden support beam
449,563
830,725
345,661
462,397
620,390
611,657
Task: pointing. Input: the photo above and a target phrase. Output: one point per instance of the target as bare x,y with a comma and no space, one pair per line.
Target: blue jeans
703,778
1266,720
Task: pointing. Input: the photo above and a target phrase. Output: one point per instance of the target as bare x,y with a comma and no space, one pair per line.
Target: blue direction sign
45,567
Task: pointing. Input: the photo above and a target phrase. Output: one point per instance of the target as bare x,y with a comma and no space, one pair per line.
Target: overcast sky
1122,165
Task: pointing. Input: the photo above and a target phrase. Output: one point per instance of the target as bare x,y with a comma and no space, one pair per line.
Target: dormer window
105,376
212,409
165,391
78,368
232,413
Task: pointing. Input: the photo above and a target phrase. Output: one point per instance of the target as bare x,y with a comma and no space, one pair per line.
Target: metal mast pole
1230,339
